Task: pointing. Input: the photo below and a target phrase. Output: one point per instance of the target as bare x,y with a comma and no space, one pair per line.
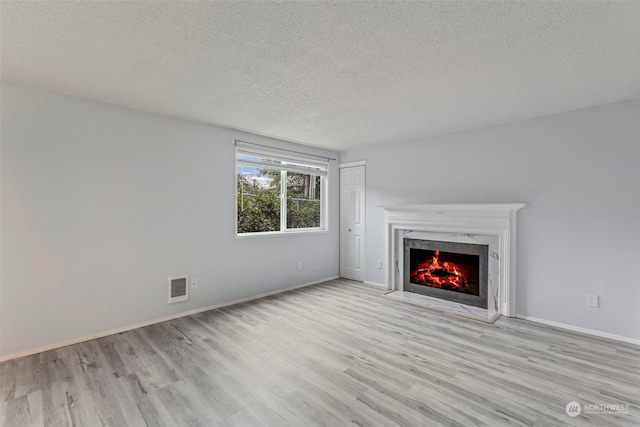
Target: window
279,191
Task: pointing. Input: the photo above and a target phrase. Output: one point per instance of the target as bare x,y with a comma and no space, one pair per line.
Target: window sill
281,233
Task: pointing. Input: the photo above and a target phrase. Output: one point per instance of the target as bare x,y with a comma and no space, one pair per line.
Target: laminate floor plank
333,354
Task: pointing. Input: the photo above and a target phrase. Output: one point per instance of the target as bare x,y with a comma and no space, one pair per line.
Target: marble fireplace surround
492,224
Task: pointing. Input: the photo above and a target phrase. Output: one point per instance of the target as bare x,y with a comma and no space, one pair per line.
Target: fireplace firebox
452,271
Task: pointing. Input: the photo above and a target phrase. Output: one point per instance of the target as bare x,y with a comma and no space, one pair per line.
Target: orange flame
437,273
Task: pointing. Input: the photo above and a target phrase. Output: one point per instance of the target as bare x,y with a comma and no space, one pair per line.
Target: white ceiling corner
330,74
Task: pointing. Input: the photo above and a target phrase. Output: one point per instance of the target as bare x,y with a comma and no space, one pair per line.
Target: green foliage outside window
259,201
303,200
258,208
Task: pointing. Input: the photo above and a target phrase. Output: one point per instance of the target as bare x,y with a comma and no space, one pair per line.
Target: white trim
352,164
152,322
382,285
290,232
579,329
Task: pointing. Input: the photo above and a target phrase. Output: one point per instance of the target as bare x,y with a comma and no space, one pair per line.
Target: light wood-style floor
334,354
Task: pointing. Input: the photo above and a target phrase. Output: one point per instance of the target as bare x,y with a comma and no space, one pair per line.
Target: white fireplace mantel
494,220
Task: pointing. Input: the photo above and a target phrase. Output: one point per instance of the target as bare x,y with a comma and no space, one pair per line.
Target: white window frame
298,161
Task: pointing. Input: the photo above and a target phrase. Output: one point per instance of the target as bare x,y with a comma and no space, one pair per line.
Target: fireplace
492,225
453,271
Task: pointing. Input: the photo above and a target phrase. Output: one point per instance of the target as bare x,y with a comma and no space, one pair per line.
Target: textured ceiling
331,74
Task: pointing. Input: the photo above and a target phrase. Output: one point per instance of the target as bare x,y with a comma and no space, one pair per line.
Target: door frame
363,252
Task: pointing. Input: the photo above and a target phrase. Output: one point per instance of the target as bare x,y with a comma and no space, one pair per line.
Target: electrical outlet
299,266
194,283
592,301
379,264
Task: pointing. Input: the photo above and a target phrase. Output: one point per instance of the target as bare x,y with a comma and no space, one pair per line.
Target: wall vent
178,289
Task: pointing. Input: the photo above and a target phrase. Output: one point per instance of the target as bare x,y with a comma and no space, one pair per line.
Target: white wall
100,204
579,173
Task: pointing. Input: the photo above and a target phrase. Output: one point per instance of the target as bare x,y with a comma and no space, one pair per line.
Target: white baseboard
154,321
382,285
579,329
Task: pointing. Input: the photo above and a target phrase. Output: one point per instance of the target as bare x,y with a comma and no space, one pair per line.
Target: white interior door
352,222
